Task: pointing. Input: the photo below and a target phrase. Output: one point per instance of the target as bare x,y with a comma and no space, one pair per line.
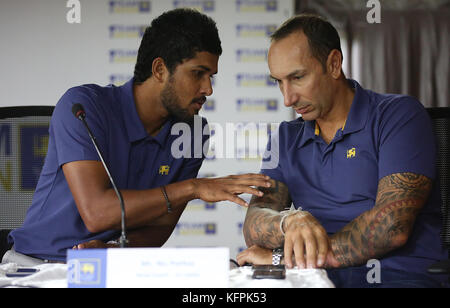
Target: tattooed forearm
262,222
388,225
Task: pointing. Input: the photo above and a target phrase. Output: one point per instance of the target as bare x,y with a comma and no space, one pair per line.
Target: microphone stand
123,237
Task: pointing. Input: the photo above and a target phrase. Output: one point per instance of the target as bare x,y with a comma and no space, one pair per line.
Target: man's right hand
228,188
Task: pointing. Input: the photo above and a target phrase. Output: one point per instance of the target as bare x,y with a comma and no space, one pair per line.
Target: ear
334,63
159,70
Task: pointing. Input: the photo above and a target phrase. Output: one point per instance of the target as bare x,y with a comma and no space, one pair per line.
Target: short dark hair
322,36
175,36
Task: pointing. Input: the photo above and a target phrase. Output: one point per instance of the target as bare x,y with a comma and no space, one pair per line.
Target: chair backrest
441,125
23,147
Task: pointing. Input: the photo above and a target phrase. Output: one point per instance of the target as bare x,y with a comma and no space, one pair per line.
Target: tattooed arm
304,236
262,222
387,226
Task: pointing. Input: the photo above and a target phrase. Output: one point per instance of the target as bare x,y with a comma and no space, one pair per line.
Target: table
55,276
295,278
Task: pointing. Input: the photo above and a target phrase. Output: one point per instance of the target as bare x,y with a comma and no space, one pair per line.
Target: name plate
148,268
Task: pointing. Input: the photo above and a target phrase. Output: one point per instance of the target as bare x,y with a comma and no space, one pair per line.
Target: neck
151,112
337,116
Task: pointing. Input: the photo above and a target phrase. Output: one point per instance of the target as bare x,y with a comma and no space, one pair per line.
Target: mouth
198,103
302,110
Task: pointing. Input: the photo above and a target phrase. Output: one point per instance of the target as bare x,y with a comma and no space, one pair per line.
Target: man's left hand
306,242
95,244
255,255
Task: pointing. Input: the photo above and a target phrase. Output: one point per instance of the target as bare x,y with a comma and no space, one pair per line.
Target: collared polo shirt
337,182
136,161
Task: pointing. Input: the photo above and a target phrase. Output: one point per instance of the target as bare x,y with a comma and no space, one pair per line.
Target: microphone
80,114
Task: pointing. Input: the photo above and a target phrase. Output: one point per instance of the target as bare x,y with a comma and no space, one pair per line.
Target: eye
198,74
274,80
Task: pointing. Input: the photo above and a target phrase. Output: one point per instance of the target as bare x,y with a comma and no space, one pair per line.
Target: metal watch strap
277,255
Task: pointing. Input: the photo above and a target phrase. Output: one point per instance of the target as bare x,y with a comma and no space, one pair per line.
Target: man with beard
74,204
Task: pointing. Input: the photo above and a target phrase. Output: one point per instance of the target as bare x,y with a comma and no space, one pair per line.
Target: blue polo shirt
136,161
337,182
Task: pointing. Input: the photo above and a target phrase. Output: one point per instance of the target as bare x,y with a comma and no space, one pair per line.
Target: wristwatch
277,255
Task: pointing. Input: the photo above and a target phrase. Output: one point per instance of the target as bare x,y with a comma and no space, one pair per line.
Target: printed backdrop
43,55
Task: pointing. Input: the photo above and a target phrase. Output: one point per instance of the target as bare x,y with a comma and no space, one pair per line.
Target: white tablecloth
48,276
295,278
55,276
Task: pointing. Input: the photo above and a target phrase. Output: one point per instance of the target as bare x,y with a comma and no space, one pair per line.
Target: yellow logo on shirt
351,153
164,170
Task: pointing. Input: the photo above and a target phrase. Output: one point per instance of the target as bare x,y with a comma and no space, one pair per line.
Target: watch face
278,251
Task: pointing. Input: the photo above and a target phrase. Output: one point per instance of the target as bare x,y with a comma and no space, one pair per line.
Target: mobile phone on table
269,272
22,272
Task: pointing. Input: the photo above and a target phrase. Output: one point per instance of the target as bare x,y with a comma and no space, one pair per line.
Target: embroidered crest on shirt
164,170
351,153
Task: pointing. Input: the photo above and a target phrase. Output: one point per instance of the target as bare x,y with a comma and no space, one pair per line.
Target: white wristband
281,223
289,213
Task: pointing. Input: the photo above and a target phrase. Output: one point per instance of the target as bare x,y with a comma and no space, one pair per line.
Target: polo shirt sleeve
190,170
272,162
71,138
407,143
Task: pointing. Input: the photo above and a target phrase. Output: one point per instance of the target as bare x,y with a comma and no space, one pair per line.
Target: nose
206,88
290,97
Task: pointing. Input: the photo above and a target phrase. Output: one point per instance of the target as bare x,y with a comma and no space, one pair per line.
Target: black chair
441,124
23,147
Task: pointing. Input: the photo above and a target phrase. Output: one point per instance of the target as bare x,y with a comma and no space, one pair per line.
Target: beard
172,104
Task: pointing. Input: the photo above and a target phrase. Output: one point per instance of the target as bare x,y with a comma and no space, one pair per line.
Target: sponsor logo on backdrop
200,205
122,56
255,30
256,105
193,229
129,6
126,31
251,55
259,6
119,79
210,105
247,80
205,6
